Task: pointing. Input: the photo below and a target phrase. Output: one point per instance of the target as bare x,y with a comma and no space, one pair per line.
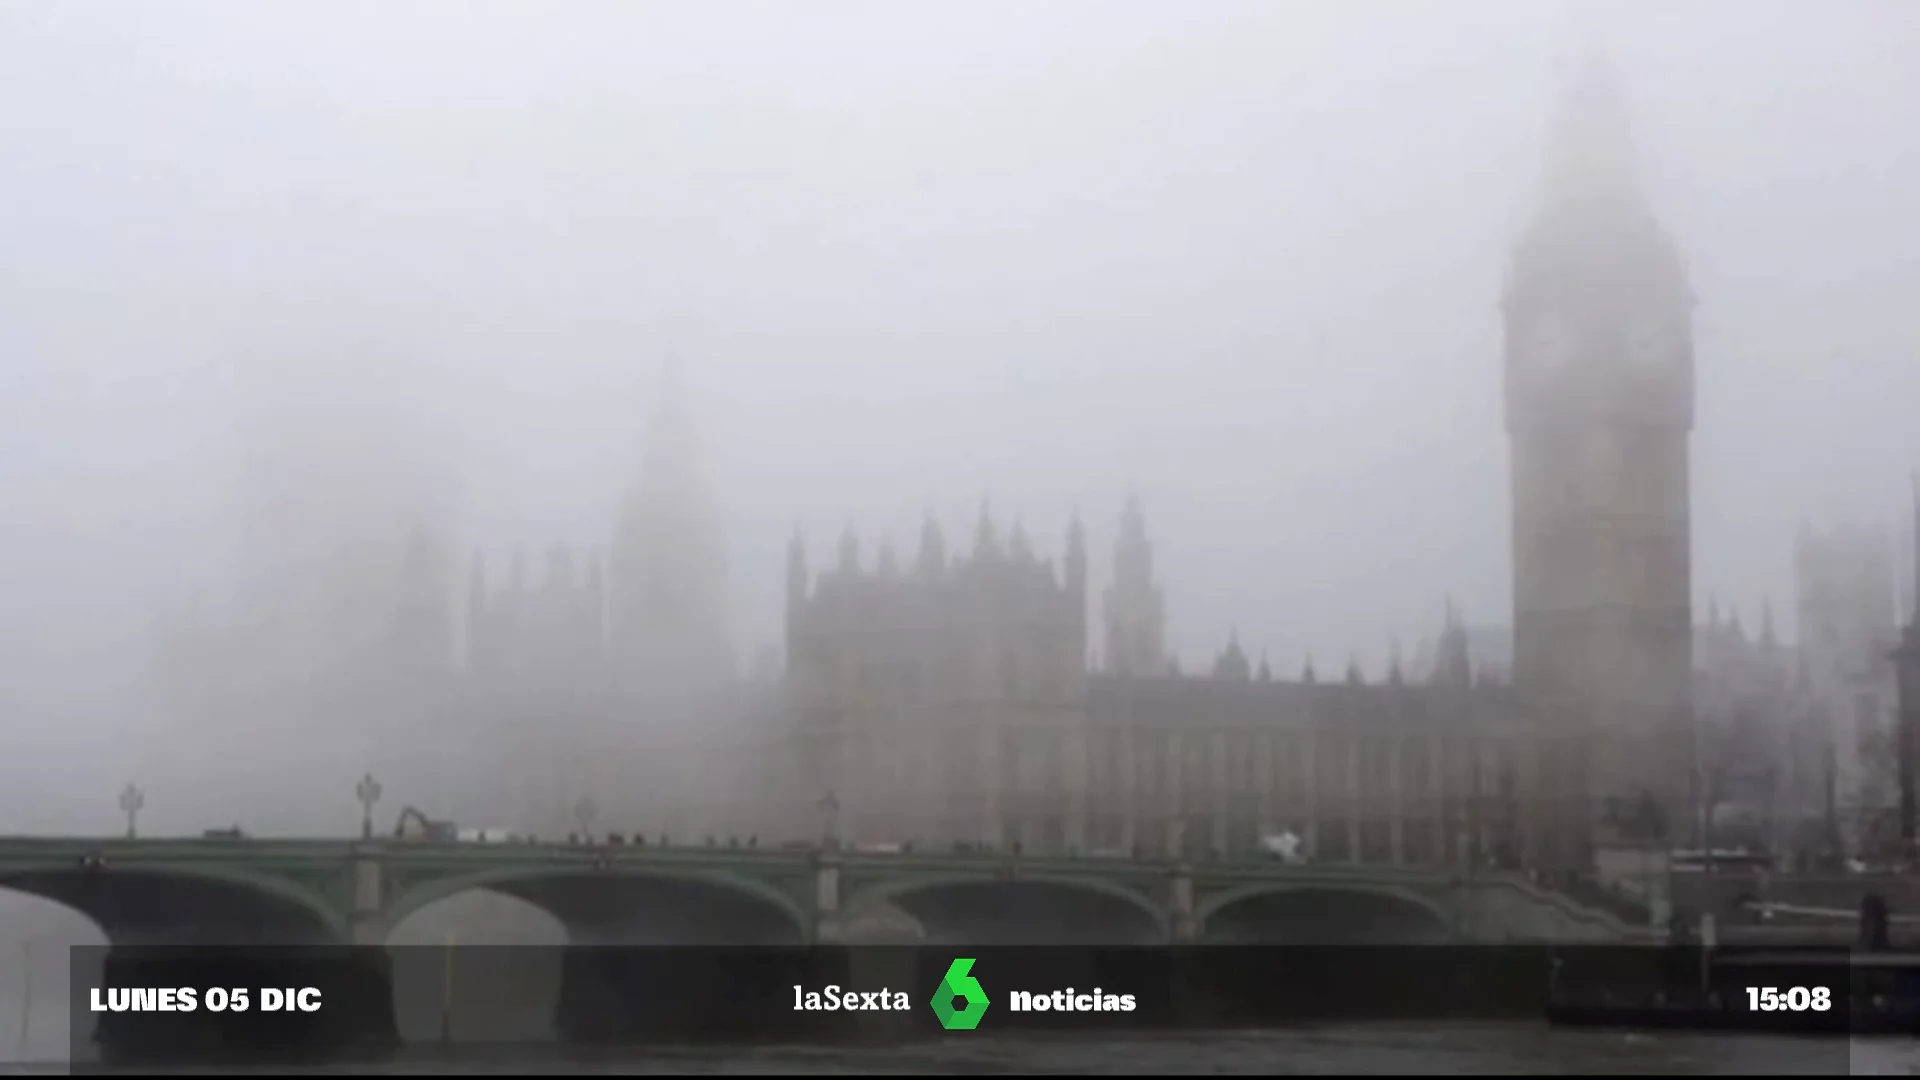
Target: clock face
1549,344
1651,342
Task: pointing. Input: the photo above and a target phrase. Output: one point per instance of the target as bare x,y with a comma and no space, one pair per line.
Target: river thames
1439,1049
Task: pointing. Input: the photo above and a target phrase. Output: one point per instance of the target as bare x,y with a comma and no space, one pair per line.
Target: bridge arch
1323,913
187,902
614,903
994,907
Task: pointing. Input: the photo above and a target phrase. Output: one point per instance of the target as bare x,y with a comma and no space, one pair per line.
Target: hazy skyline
1241,258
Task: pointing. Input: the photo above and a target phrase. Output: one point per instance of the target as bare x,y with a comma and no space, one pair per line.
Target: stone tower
1134,610
1907,662
1599,409
667,565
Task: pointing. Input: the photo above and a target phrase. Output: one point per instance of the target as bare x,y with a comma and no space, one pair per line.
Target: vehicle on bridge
416,825
1720,860
489,834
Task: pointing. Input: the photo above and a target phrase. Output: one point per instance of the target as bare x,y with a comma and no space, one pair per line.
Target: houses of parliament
966,692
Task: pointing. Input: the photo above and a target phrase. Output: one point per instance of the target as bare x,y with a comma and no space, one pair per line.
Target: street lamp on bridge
368,792
830,820
131,800
584,812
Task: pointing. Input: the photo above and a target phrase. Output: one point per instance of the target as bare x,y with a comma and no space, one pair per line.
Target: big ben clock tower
1599,408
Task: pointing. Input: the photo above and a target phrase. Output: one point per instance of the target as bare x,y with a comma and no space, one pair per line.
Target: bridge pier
1182,927
367,923
824,922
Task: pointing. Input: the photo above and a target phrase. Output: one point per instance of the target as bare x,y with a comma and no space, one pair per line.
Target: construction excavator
416,825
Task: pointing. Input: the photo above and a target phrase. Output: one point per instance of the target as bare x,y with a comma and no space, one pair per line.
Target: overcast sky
1240,257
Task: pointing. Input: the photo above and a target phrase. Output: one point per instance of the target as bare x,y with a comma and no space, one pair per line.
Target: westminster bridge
268,891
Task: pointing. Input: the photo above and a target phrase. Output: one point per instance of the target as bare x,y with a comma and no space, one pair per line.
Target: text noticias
213,999
1069,1000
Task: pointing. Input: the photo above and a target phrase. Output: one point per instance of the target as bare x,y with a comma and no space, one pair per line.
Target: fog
275,277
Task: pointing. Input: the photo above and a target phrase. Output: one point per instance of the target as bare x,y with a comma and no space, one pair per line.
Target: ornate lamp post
368,792
830,820
584,812
131,801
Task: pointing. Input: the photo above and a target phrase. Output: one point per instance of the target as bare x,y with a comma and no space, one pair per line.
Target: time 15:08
1789,999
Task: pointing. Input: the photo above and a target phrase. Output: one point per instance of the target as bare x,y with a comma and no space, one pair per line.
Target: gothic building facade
951,702
1847,586
602,687
962,688
943,701
596,685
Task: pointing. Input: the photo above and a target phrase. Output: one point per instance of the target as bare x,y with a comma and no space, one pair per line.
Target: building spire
1134,608
986,539
667,568
1913,581
1453,662
796,567
1590,152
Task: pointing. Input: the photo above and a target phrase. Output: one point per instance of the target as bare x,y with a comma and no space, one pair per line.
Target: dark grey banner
215,1007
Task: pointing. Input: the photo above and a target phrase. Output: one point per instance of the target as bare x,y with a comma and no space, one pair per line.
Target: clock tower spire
1599,410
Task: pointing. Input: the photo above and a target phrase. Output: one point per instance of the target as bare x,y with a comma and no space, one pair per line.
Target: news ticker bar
945,987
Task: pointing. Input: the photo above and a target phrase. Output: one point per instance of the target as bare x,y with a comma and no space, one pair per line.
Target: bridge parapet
1726,896
363,887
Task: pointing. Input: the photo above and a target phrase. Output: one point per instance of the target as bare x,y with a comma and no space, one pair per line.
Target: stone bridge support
825,926
367,920
1183,927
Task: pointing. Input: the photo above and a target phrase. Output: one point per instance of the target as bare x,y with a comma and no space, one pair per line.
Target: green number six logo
958,984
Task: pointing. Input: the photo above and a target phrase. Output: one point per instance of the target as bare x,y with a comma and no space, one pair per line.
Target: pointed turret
1453,661
1134,609
1076,567
1394,674
1232,662
1594,246
422,620
932,560
477,586
1913,575
1590,151
594,579
1354,676
667,567
560,576
595,600
1018,546
986,539
796,569
517,571
848,564
1307,674
1265,673
478,647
